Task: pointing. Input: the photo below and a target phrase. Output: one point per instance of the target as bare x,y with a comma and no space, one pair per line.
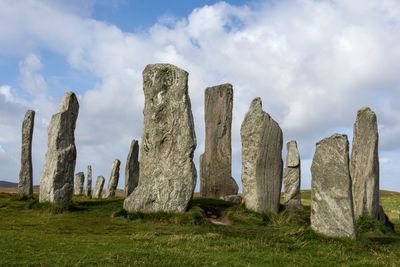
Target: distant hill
7,184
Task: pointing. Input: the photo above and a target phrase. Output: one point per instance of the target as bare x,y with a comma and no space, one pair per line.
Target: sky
314,63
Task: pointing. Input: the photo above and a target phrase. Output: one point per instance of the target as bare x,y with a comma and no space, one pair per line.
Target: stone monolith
25,185
261,160
167,174
98,188
132,168
215,163
291,178
331,197
57,179
88,191
365,165
113,182
78,183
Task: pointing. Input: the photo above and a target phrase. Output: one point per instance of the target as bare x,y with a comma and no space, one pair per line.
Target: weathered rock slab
365,165
78,183
88,191
57,179
114,178
215,164
261,160
291,178
98,188
132,168
331,195
25,185
167,174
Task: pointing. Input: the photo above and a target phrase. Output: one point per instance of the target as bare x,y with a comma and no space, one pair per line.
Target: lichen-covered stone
215,164
88,191
78,183
365,165
261,160
25,185
132,168
114,178
98,188
331,196
167,175
57,179
291,178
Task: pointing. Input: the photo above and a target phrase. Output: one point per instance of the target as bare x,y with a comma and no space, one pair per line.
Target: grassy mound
89,232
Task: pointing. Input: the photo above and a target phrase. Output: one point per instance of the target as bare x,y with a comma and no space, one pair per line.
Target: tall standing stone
132,168
291,177
88,191
365,165
25,185
98,188
331,196
114,177
261,160
215,164
167,174
57,180
78,183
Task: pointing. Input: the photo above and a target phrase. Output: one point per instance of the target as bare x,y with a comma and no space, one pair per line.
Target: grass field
98,233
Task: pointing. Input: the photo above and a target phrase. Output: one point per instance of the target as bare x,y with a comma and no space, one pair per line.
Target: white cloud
314,63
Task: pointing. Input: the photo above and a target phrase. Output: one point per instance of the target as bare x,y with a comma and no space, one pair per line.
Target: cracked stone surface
167,172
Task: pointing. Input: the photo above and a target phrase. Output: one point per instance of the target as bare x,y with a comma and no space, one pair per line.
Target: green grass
89,232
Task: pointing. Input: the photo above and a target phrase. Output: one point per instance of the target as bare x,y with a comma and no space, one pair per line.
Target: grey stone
88,191
261,160
78,183
98,188
114,177
215,164
25,185
365,165
167,174
331,197
236,199
291,178
132,168
57,179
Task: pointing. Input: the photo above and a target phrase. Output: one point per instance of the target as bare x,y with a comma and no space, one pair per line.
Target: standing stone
25,185
167,174
132,168
331,196
261,160
114,177
365,165
98,188
78,183
88,191
215,164
57,180
291,177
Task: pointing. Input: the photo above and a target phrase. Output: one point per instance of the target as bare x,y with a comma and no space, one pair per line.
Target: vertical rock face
98,188
261,160
215,164
132,168
25,185
57,179
365,165
88,191
291,177
331,196
78,183
167,174
114,177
